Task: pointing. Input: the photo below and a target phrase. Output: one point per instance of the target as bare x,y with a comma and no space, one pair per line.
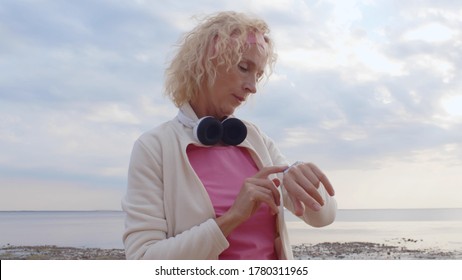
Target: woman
209,186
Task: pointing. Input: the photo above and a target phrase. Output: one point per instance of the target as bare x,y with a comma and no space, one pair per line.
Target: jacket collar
189,112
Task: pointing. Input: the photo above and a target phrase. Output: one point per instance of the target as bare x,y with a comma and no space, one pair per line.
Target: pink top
222,170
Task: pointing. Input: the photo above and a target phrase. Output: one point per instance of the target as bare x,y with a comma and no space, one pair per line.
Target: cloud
360,86
453,105
431,32
112,113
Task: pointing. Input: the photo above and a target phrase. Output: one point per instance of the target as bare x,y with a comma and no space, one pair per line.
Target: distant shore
369,251
326,250
51,252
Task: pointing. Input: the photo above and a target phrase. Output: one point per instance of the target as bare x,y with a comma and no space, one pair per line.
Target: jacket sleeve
320,218
146,227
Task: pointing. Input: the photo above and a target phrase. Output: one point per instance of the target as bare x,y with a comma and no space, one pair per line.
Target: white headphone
209,130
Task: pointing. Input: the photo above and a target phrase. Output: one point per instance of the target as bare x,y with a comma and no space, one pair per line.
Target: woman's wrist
293,165
227,223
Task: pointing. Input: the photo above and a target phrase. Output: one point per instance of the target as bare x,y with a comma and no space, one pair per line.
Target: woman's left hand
301,182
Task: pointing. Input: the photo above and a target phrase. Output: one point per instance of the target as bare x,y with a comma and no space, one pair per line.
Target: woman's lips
239,98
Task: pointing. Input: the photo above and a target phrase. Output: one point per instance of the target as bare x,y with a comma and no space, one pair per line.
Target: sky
369,91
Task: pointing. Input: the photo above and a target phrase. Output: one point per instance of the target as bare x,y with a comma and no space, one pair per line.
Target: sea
414,228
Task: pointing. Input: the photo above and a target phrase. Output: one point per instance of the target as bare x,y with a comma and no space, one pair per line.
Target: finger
277,195
269,185
299,181
264,195
306,200
308,193
324,180
310,174
269,200
298,206
266,171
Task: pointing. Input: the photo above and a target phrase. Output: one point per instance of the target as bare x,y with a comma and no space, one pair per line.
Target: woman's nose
251,85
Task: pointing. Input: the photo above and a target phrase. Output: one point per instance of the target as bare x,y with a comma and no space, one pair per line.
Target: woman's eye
243,67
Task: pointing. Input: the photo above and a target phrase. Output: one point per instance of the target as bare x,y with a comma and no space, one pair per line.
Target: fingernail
316,206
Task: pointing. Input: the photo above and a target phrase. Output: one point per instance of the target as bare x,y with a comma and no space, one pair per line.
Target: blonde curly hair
221,39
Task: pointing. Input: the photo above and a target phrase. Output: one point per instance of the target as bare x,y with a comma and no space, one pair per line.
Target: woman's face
232,87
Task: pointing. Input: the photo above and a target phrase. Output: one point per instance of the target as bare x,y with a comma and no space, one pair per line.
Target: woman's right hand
255,191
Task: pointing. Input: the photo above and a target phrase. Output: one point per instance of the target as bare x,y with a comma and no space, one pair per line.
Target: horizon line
342,209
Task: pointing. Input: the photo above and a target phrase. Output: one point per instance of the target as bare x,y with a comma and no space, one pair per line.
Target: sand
321,251
48,252
369,251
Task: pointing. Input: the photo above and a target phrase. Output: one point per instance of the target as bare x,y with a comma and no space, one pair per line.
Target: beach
390,234
370,251
320,251
50,252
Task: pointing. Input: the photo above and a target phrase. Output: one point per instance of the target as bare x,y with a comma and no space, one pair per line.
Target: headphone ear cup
234,131
208,131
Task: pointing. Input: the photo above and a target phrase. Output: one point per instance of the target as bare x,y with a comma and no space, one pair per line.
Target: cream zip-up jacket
169,214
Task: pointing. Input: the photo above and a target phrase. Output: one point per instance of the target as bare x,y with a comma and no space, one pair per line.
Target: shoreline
52,252
320,251
370,251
